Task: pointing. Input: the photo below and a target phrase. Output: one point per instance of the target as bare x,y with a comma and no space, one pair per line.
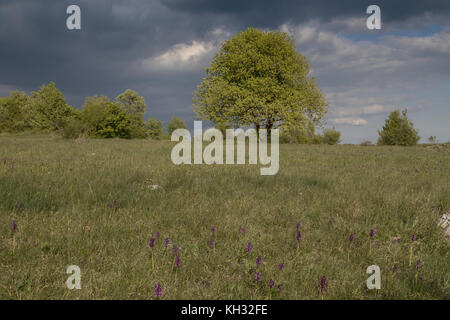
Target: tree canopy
174,124
48,108
398,130
259,79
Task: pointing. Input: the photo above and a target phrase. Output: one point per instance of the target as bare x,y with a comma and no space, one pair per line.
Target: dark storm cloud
36,46
272,13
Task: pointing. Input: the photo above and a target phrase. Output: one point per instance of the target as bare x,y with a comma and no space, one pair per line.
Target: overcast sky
160,48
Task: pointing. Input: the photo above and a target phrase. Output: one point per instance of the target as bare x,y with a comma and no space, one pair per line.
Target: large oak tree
259,79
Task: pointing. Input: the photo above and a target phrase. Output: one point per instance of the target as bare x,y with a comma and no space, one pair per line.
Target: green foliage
175,123
134,105
155,129
48,108
131,102
75,127
258,78
105,119
331,136
398,130
14,115
300,134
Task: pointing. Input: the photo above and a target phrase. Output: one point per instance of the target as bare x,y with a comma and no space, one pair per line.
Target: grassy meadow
91,203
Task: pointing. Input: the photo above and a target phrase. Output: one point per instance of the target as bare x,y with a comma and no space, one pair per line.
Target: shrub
135,107
105,119
366,143
331,136
300,134
14,113
48,108
175,123
75,128
398,130
155,129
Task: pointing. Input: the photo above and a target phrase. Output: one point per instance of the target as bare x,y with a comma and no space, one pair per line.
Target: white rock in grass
154,187
444,223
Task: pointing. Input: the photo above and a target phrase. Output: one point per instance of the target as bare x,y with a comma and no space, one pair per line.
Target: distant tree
75,127
331,136
366,143
14,112
131,102
134,105
300,134
432,139
48,108
398,130
105,119
259,79
94,112
155,129
175,123
117,124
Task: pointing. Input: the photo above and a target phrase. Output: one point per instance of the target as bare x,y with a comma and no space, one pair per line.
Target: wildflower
157,235
323,283
394,269
110,206
175,250
271,283
298,226
258,260
115,201
213,230
352,236
177,262
13,226
242,230
281,266
248,248
158,290
280,287
372,233
151,242
211,242
166,242
414,238
206,283
258,276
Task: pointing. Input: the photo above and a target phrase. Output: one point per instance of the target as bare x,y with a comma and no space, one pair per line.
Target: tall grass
91,204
